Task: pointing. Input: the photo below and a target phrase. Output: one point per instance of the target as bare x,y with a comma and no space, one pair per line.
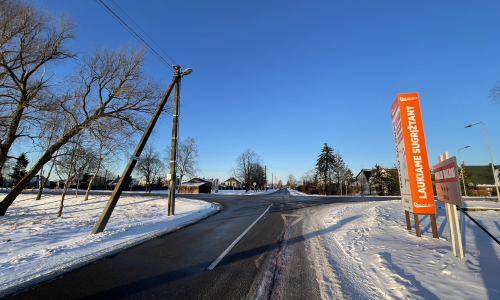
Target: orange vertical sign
411,154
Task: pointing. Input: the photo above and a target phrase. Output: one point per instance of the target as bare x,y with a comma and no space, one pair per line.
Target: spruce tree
468,178
326,164
19,169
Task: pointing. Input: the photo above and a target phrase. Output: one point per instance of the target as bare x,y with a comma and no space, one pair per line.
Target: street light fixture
491,157
462,169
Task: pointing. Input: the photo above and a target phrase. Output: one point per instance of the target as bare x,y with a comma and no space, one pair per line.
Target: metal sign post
448,191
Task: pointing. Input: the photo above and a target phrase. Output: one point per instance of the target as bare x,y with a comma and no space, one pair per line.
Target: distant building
364,182
196,186
233,183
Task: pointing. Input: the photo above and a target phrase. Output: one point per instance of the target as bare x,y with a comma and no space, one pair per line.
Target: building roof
366,172
192,184
203,180
233,179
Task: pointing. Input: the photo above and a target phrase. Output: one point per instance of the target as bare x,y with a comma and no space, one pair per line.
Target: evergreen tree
394,186
325,165
379,180
468,178
19,169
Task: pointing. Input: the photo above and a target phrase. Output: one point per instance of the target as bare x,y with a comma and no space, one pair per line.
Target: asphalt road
269,262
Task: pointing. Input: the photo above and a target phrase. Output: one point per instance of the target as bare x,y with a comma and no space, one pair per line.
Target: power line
144,32
123,23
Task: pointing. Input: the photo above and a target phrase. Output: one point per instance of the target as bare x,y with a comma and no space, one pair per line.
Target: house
196,186
34,182
233,183
364,182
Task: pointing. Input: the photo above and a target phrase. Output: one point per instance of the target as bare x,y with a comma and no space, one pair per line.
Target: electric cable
123,23
144,32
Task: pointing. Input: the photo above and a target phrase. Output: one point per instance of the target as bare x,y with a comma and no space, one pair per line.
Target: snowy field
367,244
36,245
242,192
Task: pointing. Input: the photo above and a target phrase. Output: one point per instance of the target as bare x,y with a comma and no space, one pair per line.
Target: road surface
270,261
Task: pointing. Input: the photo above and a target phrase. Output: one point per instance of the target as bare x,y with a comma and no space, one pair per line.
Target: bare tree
291,182
30,38
150,167
68,166
187,158
257,175
110,85
245,164
111,140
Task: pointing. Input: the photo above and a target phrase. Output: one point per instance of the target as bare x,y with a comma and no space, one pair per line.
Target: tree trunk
11,135
92,179
40,185
40,188
47,156
61,204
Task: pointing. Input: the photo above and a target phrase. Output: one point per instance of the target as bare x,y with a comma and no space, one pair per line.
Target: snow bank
242,192
363,250
35,245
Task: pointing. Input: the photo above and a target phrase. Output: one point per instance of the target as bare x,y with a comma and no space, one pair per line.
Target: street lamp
462,169
491,157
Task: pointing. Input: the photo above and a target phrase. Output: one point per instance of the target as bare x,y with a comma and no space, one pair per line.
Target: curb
36,279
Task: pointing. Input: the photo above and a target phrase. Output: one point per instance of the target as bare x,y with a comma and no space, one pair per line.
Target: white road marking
294,222
212,266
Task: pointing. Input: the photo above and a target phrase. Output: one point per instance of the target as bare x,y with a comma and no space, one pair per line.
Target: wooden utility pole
113,199
173,147
265,175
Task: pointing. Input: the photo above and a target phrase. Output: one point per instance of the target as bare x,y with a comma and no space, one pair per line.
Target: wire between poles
137,36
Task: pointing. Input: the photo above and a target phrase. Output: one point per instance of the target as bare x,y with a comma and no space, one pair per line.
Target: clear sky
285,77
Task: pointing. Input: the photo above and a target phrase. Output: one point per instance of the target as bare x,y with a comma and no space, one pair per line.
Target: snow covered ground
36,245
242,192
368,247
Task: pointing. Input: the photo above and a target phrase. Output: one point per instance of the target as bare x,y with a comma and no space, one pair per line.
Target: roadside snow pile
36,245
363,250
297,193
242,192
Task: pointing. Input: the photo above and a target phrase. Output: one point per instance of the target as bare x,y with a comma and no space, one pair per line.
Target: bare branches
151,168
248,168
30,38
187,158
495,92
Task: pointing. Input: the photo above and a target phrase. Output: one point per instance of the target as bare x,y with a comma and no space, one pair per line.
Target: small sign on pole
448,191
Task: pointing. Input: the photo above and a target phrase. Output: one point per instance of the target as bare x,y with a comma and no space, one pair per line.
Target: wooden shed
196,186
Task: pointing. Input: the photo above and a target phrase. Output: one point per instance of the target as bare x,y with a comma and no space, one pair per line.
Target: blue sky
285,77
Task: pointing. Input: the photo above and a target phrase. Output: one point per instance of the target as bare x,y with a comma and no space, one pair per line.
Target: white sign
401,157
136,158
255,183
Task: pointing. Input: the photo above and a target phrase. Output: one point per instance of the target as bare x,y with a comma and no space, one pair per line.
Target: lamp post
491,157
175,135
462,169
